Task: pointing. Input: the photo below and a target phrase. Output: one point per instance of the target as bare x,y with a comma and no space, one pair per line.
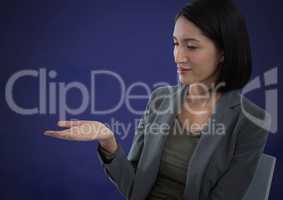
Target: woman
194,141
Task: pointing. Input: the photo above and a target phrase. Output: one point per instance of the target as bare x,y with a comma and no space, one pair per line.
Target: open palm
81,131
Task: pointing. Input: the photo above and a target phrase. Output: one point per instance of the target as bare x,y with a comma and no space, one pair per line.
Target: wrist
110,145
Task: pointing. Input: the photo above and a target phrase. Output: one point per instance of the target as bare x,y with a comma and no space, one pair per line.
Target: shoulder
249,108
164,90
252,118
161,93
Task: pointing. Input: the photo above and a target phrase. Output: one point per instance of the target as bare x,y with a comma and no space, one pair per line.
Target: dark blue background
132,38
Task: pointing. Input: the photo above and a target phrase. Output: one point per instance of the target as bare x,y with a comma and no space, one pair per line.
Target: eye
175,43
192,47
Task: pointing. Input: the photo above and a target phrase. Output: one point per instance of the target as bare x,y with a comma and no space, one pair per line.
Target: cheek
204,62
174,53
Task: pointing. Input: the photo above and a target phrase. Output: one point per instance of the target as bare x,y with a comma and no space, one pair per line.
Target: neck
201,94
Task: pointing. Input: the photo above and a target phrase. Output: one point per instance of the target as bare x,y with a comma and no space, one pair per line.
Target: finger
66,134
71,123
74,133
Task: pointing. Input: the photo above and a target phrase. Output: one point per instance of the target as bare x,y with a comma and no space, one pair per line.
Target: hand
81,131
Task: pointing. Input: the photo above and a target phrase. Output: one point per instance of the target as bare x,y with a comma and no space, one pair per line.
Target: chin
185,81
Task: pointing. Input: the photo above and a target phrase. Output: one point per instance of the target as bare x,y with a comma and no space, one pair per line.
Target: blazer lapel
155,139
208,142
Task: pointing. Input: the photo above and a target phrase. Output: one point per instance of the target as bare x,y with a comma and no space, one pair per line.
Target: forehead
184,28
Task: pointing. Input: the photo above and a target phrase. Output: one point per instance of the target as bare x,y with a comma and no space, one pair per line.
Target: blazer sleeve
234,183
121,169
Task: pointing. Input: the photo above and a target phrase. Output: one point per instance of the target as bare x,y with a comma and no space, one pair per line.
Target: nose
179,55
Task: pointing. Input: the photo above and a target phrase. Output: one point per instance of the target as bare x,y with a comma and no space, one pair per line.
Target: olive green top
178,149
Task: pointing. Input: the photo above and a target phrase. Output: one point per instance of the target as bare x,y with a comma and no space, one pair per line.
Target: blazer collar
229,99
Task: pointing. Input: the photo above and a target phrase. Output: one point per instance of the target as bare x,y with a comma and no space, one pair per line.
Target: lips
183,69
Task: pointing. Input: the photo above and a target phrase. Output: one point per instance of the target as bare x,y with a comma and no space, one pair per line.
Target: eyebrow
187,39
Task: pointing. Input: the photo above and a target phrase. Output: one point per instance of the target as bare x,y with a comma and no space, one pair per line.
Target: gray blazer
222,165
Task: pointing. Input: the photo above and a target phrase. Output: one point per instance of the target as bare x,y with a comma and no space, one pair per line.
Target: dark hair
222,22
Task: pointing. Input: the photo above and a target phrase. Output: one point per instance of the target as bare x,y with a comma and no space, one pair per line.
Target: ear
221,59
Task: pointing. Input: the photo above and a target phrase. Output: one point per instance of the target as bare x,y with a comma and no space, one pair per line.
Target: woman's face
195,54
